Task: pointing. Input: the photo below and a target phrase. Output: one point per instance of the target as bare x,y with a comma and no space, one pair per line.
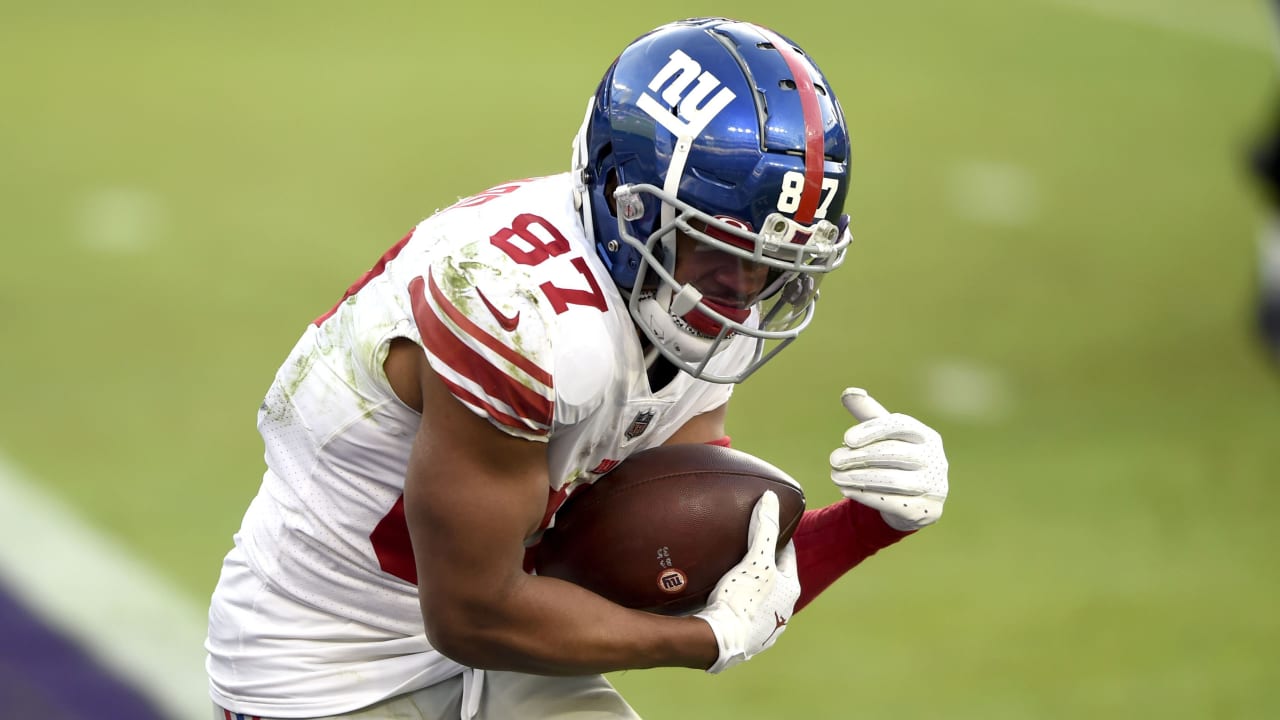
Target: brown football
659,531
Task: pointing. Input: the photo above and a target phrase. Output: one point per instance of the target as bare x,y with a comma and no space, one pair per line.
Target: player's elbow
453,641
463,631
447,625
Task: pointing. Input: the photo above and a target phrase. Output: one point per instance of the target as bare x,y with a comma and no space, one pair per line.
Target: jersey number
541,240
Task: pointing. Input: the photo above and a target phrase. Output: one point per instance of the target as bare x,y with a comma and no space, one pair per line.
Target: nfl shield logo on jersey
639,424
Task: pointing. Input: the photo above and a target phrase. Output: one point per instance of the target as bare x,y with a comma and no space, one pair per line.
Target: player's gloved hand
891,462
752,603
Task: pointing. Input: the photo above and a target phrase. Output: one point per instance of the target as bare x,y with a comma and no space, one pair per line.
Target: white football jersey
316,612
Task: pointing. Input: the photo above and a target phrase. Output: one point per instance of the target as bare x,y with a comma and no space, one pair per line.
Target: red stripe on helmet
813,136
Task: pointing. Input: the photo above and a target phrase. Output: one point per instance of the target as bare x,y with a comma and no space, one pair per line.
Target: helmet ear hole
602,167
611,184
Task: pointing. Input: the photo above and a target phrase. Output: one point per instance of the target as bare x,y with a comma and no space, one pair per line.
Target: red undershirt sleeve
832,540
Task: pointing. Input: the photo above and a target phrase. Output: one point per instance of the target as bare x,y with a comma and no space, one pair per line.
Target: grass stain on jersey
298,371
462,272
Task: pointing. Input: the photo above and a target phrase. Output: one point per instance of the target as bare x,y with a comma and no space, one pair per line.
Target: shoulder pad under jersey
505,322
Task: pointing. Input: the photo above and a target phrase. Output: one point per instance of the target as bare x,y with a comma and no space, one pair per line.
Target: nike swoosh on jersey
506,323
515,392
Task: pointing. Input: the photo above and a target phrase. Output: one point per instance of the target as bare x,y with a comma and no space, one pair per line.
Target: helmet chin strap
670,332
663,310
675,171
671,186
660,311
650,356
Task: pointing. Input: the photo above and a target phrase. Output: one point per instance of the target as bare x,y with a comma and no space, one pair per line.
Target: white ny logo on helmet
694,108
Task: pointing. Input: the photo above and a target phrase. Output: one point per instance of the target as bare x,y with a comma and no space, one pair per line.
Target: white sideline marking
90,587
994,193
1245,27
965,391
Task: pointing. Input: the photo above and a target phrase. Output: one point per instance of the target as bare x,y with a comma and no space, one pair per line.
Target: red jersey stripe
533,411
516,423
814,142
489,341
364,279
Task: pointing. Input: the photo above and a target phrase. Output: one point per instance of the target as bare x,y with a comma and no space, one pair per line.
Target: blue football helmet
715,149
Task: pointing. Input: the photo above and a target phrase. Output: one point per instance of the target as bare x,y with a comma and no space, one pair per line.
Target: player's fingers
888,427
916,511
879,480
886,454
763,535
787,559
861,405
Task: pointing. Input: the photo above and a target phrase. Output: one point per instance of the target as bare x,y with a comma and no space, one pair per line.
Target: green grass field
1051,215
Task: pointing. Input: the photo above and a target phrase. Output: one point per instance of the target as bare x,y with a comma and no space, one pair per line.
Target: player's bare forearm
547,626
481,609
473,494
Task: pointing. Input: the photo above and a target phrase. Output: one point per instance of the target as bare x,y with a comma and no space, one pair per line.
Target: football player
515,347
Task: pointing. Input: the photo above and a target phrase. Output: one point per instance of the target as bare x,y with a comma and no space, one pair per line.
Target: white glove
891,462
752,603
